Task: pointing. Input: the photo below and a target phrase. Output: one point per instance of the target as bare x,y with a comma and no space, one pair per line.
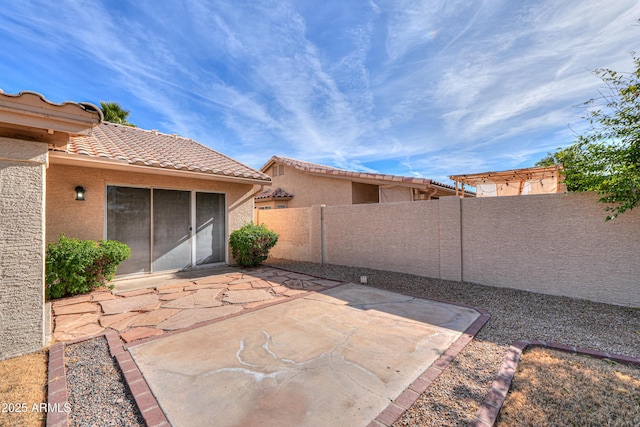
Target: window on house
262,208
274,171
281,206
281,170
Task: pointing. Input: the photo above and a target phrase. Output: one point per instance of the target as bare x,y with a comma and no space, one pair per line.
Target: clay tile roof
328,170
154,149
278,193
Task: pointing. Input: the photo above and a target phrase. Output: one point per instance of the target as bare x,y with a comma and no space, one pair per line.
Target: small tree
606,159
250,244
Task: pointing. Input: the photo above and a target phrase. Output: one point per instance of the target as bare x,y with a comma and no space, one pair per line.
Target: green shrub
77,266
250,244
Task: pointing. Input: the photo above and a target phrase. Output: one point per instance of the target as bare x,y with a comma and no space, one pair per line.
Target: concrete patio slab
336,358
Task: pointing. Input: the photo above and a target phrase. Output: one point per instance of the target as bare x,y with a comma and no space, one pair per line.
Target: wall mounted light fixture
80,193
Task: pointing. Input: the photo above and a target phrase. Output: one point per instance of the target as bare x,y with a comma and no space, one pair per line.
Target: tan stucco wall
22,204
554,244
85,220
309,190
392,236
298,232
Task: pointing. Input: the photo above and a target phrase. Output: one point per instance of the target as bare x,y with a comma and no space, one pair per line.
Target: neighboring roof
153,149
523,174
277,194
315,168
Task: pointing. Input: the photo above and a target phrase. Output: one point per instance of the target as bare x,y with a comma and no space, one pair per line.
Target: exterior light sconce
80,193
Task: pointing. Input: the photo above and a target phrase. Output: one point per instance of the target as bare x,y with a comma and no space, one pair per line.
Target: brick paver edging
146,401
488,411
57,383
396,408
57,387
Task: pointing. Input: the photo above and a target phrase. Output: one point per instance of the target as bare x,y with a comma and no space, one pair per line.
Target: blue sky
426,88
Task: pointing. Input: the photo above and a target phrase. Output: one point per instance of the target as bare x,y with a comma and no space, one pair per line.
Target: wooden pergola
514,176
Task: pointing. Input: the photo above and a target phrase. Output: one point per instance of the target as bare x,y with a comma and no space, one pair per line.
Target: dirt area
555,388
23,385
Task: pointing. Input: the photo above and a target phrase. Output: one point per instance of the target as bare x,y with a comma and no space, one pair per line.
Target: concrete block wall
556,244
553,244
399,237
299,231
22,207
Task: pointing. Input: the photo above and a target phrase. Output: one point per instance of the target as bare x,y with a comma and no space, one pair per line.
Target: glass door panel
210,228
129,221
171,229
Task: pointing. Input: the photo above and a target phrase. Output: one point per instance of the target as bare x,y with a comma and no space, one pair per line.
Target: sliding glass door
210,230
129,221
166,229
171,230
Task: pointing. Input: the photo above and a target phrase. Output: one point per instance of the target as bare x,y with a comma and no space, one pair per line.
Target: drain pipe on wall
322,243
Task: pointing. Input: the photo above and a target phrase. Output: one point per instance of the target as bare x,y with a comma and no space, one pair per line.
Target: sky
416,88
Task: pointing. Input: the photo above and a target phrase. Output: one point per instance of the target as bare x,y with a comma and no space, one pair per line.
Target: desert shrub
78,266
250,244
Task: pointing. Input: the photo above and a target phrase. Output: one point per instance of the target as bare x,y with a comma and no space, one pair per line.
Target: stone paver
214,279
188,318
279,289
108,320
260,284
72,300
69,322
82,331
101,296
200,299
241,286
198,286
152,318
175,290
173,296
121,305
294,292
147,312
242,297
126,323
174,285
84,307
207,298
136,292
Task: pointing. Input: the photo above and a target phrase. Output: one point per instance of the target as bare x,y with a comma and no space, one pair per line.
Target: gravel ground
97,392
453,398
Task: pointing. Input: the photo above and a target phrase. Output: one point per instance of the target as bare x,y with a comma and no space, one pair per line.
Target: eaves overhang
32,111
80,160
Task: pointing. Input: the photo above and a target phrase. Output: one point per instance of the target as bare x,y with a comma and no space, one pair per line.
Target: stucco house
513,182
62,170
299,184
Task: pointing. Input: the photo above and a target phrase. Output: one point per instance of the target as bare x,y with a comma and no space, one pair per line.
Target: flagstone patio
151,311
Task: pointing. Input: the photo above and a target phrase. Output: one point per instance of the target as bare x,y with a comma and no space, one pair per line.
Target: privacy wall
557,244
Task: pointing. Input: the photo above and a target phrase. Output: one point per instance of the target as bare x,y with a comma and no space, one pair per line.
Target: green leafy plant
75,266
250,244
606,159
